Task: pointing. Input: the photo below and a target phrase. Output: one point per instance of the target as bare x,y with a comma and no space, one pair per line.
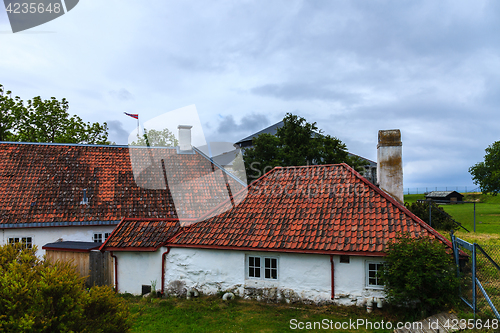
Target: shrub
440,219
40,296
419,272
105,312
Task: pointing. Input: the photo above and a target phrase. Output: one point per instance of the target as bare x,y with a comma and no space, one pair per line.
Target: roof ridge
81,145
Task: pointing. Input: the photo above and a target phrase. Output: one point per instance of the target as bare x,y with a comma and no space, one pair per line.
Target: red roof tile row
141,234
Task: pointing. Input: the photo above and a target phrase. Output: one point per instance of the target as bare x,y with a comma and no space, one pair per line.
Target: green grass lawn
487,212
211,314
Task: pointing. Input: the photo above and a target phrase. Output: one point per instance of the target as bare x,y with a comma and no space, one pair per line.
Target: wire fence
488,275
480,277
424,190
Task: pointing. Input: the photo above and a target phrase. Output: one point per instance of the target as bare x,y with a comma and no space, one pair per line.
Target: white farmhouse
312,233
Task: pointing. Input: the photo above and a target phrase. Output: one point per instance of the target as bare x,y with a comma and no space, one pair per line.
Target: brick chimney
390,163
185,137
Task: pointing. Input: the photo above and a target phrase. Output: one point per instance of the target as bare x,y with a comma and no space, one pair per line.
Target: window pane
372,267
372,282
274,263
257,262
250,261
257,272
371,274
268,273
274,274
251,272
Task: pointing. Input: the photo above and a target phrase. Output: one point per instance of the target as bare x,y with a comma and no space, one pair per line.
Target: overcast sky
429,68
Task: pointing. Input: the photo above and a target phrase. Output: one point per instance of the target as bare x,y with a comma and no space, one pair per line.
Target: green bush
440,219
40,296
418,272
105,312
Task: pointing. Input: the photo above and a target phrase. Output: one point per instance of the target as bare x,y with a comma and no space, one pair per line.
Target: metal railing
422,190
480,275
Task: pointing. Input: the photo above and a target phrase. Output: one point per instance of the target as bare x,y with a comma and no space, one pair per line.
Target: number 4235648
32,8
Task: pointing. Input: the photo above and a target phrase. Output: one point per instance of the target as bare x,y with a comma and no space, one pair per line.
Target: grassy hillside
487,212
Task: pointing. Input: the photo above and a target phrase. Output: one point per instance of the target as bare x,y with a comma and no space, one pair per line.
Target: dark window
97,238
374,270
271,268
27,242
267,264
254,267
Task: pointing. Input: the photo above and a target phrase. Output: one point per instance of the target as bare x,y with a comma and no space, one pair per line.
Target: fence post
474,306
430,214
474,216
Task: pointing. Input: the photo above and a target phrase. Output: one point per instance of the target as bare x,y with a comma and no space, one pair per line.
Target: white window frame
367,274
262,267
97,237
102,237
23,240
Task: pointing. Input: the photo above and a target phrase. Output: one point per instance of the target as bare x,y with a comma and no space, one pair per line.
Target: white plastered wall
136,269
42,236
300,276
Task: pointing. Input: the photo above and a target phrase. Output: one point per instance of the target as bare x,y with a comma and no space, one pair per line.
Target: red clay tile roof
140,234
315,209
44,183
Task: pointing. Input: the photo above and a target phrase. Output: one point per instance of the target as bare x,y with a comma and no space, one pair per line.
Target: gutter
163,270
332,266
116,271
56,224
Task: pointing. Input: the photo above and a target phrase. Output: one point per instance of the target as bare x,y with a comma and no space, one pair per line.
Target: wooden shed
89,262
445,196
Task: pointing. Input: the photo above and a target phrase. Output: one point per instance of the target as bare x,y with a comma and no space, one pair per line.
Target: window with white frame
27,242
98,237
373,271
260,267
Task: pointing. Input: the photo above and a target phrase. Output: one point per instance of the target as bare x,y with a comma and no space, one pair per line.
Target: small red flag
133,115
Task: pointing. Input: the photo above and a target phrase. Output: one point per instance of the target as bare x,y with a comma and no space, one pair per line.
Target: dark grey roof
273,129
69,246
440,194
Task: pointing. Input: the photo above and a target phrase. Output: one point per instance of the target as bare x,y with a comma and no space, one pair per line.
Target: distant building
370,169
445,196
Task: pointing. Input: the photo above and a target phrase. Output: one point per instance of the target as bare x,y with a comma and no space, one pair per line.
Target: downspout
163,270
333,275
116,271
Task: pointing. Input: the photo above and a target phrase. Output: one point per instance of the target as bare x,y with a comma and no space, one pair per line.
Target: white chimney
184,137
390,163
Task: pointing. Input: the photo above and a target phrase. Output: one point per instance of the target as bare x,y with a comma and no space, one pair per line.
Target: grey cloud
116,132
304,91
122,94
249,123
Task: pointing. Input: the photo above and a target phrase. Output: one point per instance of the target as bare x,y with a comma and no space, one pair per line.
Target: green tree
41,296
8,109
418,272
297,142
155,138
439,218
486,174
45,121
